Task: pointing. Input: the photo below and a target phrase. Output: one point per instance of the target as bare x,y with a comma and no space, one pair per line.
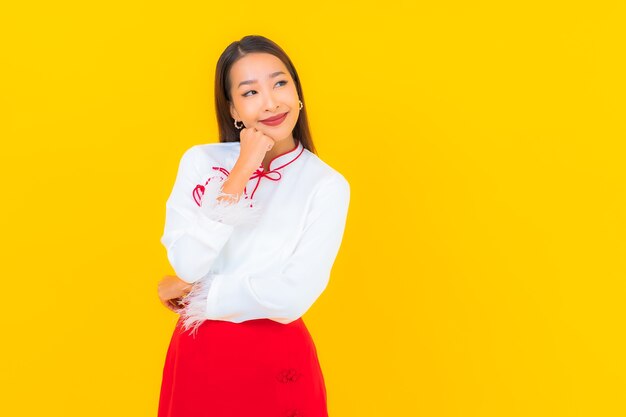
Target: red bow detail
260,173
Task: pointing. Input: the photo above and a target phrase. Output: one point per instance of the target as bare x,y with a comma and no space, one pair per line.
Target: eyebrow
272,75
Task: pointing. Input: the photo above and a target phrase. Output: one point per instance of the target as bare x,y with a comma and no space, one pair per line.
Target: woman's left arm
286,296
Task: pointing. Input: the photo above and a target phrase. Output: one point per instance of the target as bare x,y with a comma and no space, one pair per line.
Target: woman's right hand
254,146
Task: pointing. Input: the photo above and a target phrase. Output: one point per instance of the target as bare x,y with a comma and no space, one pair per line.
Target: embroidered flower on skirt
288,375
294,413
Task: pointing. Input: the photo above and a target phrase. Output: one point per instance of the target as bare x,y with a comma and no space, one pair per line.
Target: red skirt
254,368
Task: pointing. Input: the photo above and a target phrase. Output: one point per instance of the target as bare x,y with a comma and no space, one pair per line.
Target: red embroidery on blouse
198,191
272,174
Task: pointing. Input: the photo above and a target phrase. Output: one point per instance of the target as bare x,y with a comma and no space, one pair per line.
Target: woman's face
261,87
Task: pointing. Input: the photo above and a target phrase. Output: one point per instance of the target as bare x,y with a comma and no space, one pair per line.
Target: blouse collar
278,163
286,158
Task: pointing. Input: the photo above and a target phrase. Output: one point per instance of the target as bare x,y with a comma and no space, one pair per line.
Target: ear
233,111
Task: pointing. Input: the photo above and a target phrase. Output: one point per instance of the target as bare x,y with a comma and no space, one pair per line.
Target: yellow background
482,270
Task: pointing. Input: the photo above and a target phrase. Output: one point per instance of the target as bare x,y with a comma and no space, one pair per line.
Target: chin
281,137
282,133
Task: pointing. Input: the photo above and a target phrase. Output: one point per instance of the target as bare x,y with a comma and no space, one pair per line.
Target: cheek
290,95
247,109
294,93
295,114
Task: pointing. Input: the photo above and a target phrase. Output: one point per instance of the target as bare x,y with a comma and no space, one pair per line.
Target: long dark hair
234,52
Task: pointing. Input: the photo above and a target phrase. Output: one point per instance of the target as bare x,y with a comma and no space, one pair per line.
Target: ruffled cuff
244,211
193,311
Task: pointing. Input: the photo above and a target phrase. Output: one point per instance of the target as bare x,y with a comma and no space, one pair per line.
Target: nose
270,103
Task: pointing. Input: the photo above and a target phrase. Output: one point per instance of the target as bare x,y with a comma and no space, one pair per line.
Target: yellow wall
482,270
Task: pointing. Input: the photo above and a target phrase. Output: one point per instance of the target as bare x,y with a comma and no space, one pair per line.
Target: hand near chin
254,146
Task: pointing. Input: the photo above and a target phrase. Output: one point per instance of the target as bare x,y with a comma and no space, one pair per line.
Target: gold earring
301,105
237,126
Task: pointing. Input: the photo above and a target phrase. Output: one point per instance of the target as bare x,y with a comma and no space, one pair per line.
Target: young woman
253,225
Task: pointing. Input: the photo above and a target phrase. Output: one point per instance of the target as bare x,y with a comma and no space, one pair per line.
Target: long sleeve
288,294
197,226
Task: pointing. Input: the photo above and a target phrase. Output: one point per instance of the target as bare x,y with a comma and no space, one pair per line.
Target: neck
281,147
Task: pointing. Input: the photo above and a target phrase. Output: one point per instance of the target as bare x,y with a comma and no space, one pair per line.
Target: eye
250,91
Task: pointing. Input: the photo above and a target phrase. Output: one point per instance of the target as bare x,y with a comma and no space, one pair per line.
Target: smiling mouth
275,118
274,121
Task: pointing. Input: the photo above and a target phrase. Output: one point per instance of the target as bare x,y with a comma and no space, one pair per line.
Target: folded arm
197,222
286,295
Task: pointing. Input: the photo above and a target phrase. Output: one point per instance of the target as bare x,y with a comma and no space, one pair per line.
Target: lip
274,121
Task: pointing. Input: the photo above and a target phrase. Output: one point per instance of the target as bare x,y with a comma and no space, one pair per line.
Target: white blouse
267,256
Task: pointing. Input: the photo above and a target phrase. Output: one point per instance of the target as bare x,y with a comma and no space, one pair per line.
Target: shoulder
218,150
211,153
329,179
